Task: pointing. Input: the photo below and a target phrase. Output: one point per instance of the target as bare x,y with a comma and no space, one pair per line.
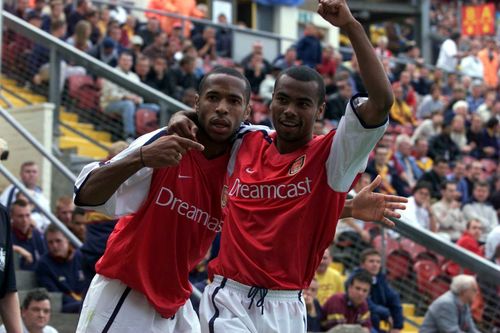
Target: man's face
358,292
459,170
372,264
326,260
441,169
64,212
405,78
422,196
153,24
476,170
381,156
422,147
160,65
161,39
142,67
481,193
470,294
450,192
29,176
294,109
58,244
21,218
37,315
115,34
125,62
222,106
77,225
475,229
312,291
405,148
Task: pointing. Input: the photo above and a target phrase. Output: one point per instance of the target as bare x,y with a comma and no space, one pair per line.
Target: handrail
72,238
451,251
34,142
197,20
82,59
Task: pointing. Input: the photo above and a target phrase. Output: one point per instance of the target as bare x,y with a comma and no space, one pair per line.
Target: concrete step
83,147
68,116
96,135
408,309
25,280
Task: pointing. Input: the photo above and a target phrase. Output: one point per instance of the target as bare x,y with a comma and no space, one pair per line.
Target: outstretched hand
370,206
336,12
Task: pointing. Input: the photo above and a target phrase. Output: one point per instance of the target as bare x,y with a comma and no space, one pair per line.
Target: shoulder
49,329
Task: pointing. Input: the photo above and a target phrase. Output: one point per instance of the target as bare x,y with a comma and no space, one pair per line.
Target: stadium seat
398,265
145,121
425,270
391,245
417,251
438,286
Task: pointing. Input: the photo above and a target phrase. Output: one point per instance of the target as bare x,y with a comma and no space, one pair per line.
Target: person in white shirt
116,99
418,209
447,212
448,53
480,209
492,242
472,65
35,313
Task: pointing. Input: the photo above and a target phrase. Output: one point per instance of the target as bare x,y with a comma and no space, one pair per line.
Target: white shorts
229,306
110,306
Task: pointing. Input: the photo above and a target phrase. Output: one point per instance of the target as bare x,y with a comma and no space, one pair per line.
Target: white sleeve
352,143
244,129
130,195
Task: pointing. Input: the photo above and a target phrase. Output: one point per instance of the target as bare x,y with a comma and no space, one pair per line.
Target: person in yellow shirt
401,112
330,281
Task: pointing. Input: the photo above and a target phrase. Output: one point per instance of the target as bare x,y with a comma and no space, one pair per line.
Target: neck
212,149
34,329
285,147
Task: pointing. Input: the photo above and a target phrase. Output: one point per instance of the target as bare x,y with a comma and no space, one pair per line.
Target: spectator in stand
492,243
206,44
104,19
350,307
479,208
471,65
64,209
383,301
78,14
56,14
443,146
469,241
328,66
430,103
29,174
158,48
408,163
418,209
160,78
184,76
189,97
381,50
309,47
289,59
489,58
429,127
115,33
93,18
256,71
40,221
20,8
150,30
26,239
448,54
81,37
257,48
117,12
451,312
224,38
491,295
409,94
35,313
313,307
266,87
489,145
485,110
116,99
476,96
106,51
328,279
143,68
447,212
401,113
474,136
60,269
420,150
391,181
459,134
436,176
336,103
78,222
458,176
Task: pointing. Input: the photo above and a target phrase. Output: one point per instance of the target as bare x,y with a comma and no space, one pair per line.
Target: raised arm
375,111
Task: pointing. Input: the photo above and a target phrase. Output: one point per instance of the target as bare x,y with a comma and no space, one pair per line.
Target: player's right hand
167,151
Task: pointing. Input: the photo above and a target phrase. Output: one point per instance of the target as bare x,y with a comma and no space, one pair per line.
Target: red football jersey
153,250
281,210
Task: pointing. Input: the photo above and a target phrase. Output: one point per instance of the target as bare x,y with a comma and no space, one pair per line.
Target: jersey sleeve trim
355,102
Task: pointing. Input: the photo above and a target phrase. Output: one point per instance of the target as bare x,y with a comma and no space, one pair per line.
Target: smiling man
285,192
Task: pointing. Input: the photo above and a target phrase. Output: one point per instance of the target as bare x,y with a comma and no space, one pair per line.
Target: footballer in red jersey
286,191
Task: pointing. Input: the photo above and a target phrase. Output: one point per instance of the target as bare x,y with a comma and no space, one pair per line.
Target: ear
321,111
246,113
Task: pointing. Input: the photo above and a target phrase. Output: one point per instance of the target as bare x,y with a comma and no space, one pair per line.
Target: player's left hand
370,206
182,125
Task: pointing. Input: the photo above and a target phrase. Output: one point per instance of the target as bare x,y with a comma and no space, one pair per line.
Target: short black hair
126,53
367,253
361,276
440,159
35,295
445,183
422,184
305,74
227,71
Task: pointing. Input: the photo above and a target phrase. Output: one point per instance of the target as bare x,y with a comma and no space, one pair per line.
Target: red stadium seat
145,121
391,245
438,286
398,265
417,251
425,270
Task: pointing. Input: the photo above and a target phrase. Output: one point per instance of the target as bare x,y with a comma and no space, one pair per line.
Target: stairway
19,97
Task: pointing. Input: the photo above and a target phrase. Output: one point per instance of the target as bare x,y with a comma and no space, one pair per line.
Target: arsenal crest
223,199
297,165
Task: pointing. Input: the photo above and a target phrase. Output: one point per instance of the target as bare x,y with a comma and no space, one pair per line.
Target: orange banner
478,20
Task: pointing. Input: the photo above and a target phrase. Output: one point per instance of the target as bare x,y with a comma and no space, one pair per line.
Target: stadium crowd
441,150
